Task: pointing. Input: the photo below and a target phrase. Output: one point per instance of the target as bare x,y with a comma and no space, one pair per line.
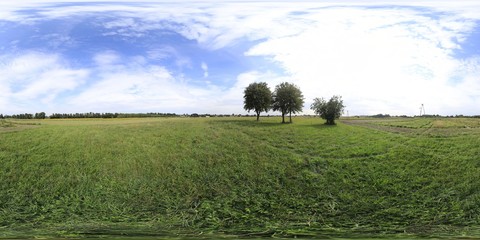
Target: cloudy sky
198,56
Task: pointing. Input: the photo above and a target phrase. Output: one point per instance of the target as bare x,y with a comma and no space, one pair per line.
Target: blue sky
198,56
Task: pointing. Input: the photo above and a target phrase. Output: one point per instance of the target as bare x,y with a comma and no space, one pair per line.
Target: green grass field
240,177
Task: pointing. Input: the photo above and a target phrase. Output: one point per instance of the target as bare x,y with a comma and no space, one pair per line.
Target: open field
237,176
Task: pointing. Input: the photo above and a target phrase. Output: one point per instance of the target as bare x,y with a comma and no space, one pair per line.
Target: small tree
258,98
330,110
40,115
287,98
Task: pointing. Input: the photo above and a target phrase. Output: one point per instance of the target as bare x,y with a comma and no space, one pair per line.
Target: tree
330,110
258,98
40,115
287,98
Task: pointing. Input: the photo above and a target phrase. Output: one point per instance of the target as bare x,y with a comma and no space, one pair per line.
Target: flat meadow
239,177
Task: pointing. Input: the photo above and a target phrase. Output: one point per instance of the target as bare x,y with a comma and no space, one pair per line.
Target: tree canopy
287,98
330,110
258,98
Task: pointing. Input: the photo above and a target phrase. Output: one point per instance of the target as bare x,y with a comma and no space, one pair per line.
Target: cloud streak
204,67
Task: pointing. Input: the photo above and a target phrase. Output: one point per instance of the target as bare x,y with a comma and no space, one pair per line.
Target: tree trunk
258,116
290,117
283,117
330,121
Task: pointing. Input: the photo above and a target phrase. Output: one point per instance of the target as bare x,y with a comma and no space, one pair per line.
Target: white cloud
204,67
169,53
33,79
107,58
142,88
381,60
52,82
161,53
128,90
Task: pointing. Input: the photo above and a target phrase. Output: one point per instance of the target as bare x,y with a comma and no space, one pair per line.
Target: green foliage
330,110
40,115
287,98
258,98
21,116
109,115
237,176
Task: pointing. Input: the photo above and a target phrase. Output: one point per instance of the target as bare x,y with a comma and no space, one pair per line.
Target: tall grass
236,175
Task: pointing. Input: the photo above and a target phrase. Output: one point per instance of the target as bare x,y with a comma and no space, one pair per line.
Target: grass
240,177
5,124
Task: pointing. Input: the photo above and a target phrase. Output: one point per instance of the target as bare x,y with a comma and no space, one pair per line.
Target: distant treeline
425,116
110,115
42,115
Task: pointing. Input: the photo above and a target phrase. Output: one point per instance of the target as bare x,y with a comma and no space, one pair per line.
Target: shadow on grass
318,126
249,123
272,123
